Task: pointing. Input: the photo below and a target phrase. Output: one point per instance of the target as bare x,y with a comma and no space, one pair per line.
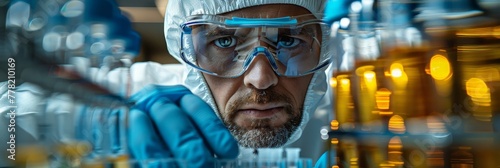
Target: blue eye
286,41
225,42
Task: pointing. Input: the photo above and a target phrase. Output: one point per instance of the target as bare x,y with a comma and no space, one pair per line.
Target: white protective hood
178,10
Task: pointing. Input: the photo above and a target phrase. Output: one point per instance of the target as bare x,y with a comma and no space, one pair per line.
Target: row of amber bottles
418,103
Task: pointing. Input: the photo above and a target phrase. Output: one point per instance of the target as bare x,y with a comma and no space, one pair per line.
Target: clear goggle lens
225,47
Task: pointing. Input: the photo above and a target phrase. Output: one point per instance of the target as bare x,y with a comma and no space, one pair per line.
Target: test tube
292,154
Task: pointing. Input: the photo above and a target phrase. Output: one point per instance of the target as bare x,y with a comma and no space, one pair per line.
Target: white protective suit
176,14
31,98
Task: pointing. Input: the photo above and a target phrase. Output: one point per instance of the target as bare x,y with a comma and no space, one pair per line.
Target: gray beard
268,137
261,133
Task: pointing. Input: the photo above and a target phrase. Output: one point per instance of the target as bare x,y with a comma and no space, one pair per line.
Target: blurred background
147,19
412,83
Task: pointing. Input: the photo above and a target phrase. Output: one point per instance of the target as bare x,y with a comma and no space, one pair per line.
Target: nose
260,74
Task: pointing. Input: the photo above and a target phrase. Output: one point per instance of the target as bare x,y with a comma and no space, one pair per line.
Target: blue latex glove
322,162
170,121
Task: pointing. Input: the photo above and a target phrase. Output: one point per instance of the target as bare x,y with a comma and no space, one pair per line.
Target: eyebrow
213,31
305,30
312,30
216,31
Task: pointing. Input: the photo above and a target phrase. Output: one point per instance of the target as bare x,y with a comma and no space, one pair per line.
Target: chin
263,136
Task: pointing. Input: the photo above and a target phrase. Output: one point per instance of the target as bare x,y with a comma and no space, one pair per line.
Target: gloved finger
149,94
144,142
179,133
117,131
322,161
218,137
114,131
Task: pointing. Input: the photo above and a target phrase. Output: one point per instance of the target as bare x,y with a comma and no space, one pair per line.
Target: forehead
269,11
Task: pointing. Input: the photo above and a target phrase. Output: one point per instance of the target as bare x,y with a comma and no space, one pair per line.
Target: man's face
260,108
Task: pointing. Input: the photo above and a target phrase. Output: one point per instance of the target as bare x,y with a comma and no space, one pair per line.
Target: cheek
297,87
222,90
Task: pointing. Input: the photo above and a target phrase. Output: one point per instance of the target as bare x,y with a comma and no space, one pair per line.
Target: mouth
261,111
261,114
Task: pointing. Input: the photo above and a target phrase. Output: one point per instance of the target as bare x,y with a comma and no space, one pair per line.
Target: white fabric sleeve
145,73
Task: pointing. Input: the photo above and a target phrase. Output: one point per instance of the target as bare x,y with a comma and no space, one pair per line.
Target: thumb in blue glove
171,122
322,162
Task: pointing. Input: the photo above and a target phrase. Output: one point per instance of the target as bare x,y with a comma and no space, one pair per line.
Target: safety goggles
226,46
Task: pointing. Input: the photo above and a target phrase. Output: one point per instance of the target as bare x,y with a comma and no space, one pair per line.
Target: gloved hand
322,162
171,122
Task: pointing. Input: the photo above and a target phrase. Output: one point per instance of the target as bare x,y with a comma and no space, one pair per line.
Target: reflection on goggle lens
225,47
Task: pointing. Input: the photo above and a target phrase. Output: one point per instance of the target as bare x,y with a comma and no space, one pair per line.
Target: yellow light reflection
386,165
441,71
496,32
398,75
334,125
366,86
478,91
334,141
397,125
382,98
395,148
395,144
343,101
368,95
354,162
345,83
440,68
369,75
385,113
435,125
370,82
362,69
480,95
396,70
333,82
